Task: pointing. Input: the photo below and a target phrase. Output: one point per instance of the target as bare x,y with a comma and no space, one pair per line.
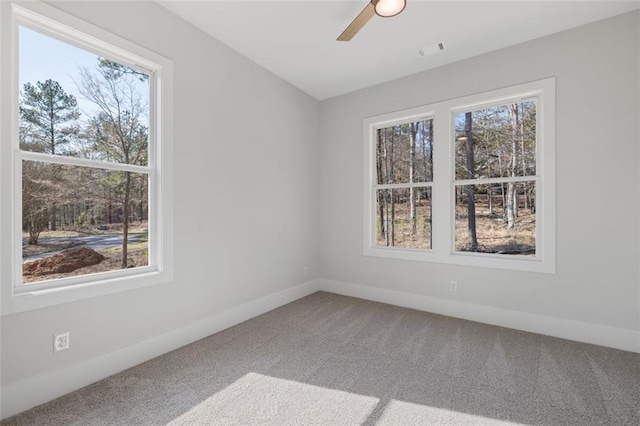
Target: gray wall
245,190
596,70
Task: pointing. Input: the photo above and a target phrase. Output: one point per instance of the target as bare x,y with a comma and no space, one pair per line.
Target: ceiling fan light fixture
388,8
384,8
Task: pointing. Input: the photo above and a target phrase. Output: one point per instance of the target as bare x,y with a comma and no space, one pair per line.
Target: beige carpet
333,360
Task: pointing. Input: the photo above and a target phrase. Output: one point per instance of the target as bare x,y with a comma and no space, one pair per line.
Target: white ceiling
296,40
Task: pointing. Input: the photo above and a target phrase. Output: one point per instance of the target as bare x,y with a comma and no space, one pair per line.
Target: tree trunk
380,194
33,237
52,137
490,186
511,186
428,195
387,240
54,217
503,199
34,226
412,169
471,202
391,180
427,138
490,199
511,217
140,210
523,159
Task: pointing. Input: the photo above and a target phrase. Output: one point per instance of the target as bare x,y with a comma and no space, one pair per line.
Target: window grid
445,184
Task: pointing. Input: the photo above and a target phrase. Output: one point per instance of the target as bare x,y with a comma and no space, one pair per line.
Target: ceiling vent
431,49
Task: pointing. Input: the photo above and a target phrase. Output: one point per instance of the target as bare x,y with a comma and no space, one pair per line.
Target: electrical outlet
305,271
61,342
453,286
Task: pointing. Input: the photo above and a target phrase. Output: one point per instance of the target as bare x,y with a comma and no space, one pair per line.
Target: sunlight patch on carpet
256,398
401,412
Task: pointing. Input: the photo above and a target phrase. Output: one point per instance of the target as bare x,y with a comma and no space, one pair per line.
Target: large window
495,179
467,181
88,136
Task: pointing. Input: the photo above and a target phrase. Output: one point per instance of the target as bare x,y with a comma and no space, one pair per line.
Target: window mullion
482,181
442,177
403,185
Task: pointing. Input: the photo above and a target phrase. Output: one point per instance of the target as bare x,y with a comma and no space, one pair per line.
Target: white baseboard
618,338
28,393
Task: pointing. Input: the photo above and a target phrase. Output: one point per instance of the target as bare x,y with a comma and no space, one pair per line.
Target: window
404,175
468,181
85,147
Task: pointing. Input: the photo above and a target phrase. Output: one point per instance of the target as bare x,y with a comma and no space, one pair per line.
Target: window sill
25,299
479,260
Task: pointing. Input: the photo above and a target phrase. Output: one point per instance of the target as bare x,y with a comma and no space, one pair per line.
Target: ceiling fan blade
357,24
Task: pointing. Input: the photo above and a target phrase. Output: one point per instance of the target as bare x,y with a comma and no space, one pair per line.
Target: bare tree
37,186
413,130
511,186
429,140
391,179
120,133
471,203
380,195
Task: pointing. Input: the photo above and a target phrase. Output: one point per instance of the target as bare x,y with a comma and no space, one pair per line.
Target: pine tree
50,114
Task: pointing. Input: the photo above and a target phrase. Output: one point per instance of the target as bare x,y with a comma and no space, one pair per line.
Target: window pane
503,217
75,103
73,220
404,153
403,218
495,142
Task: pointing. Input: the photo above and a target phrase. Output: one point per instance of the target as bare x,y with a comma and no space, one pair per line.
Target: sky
42,57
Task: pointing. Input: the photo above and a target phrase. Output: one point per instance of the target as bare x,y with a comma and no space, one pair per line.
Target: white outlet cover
61,342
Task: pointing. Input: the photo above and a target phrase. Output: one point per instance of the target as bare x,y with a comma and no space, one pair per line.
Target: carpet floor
335,360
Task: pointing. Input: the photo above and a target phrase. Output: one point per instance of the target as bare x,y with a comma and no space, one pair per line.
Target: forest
494,183
64,199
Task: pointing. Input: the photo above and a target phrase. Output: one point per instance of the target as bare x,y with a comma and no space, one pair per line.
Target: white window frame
52,22
443,199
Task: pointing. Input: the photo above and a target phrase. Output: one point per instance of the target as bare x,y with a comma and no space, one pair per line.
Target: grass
142,242
56,234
